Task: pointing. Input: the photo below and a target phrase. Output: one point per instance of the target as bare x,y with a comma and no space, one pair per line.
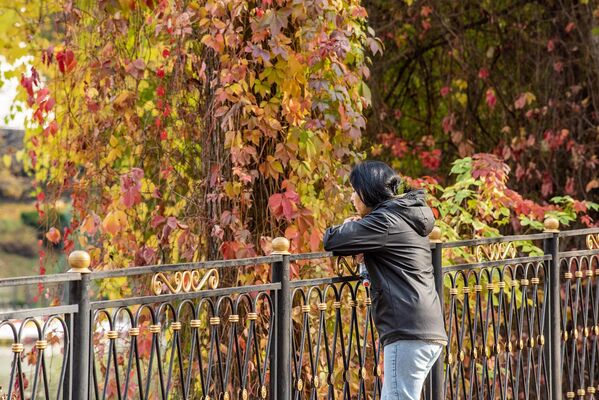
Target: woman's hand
352,218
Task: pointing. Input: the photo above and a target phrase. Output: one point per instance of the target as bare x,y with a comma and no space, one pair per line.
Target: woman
391,233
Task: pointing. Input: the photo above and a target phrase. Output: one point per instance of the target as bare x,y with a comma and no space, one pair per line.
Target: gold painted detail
541,340
41,344
176,326
234,318
155,328
263,391
195,323
593,241
495,251
17,347
184,281
112,335
134,332
252,316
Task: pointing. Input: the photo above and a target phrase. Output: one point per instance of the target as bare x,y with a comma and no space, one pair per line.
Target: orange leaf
114,222
53,235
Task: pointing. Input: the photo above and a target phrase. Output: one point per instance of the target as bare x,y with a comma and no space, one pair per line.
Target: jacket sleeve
355,237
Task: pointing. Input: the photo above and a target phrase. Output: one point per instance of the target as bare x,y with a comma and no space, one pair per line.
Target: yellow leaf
6,160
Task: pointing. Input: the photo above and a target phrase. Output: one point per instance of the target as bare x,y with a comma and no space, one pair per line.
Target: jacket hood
412,208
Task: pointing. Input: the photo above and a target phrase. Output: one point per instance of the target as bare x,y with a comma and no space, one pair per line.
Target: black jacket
393,238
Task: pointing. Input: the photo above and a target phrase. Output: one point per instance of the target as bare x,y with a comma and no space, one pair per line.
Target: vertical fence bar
280,274
79,293
551,247
437,372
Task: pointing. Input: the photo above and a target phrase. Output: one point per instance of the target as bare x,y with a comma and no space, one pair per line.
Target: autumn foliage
184,131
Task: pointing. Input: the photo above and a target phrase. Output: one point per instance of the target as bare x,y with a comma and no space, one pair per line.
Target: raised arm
355,237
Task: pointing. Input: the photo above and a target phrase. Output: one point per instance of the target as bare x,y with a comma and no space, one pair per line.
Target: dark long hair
375,182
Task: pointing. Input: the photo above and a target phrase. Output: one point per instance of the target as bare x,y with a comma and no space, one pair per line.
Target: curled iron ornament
185,281
593,241
342,263
495,251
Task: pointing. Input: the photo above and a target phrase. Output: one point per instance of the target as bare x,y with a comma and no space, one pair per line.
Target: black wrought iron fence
522,315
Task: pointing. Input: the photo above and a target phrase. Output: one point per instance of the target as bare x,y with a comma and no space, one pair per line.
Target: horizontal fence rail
521,313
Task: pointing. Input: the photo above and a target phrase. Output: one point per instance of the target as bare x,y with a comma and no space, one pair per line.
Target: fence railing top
240,262
136,271
35,279
498,239
579,232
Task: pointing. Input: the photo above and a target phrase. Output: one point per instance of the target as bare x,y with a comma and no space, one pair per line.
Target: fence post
79,293
551,247
282,354
437,375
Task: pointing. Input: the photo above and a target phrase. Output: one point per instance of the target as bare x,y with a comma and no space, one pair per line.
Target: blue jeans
407,363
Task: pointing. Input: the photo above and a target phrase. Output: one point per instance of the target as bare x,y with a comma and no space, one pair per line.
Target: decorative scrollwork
342,263
495,251
185,281
593,241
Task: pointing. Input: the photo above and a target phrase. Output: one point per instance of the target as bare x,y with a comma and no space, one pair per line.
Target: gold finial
435,235
280,245
79,261
551,225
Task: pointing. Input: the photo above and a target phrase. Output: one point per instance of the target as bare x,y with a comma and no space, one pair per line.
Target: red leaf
547,186
131,187
491,99
66,61
157,221
520,101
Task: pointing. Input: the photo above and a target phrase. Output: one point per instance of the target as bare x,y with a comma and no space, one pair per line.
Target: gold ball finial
435,235
79,261
280,245
551,225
